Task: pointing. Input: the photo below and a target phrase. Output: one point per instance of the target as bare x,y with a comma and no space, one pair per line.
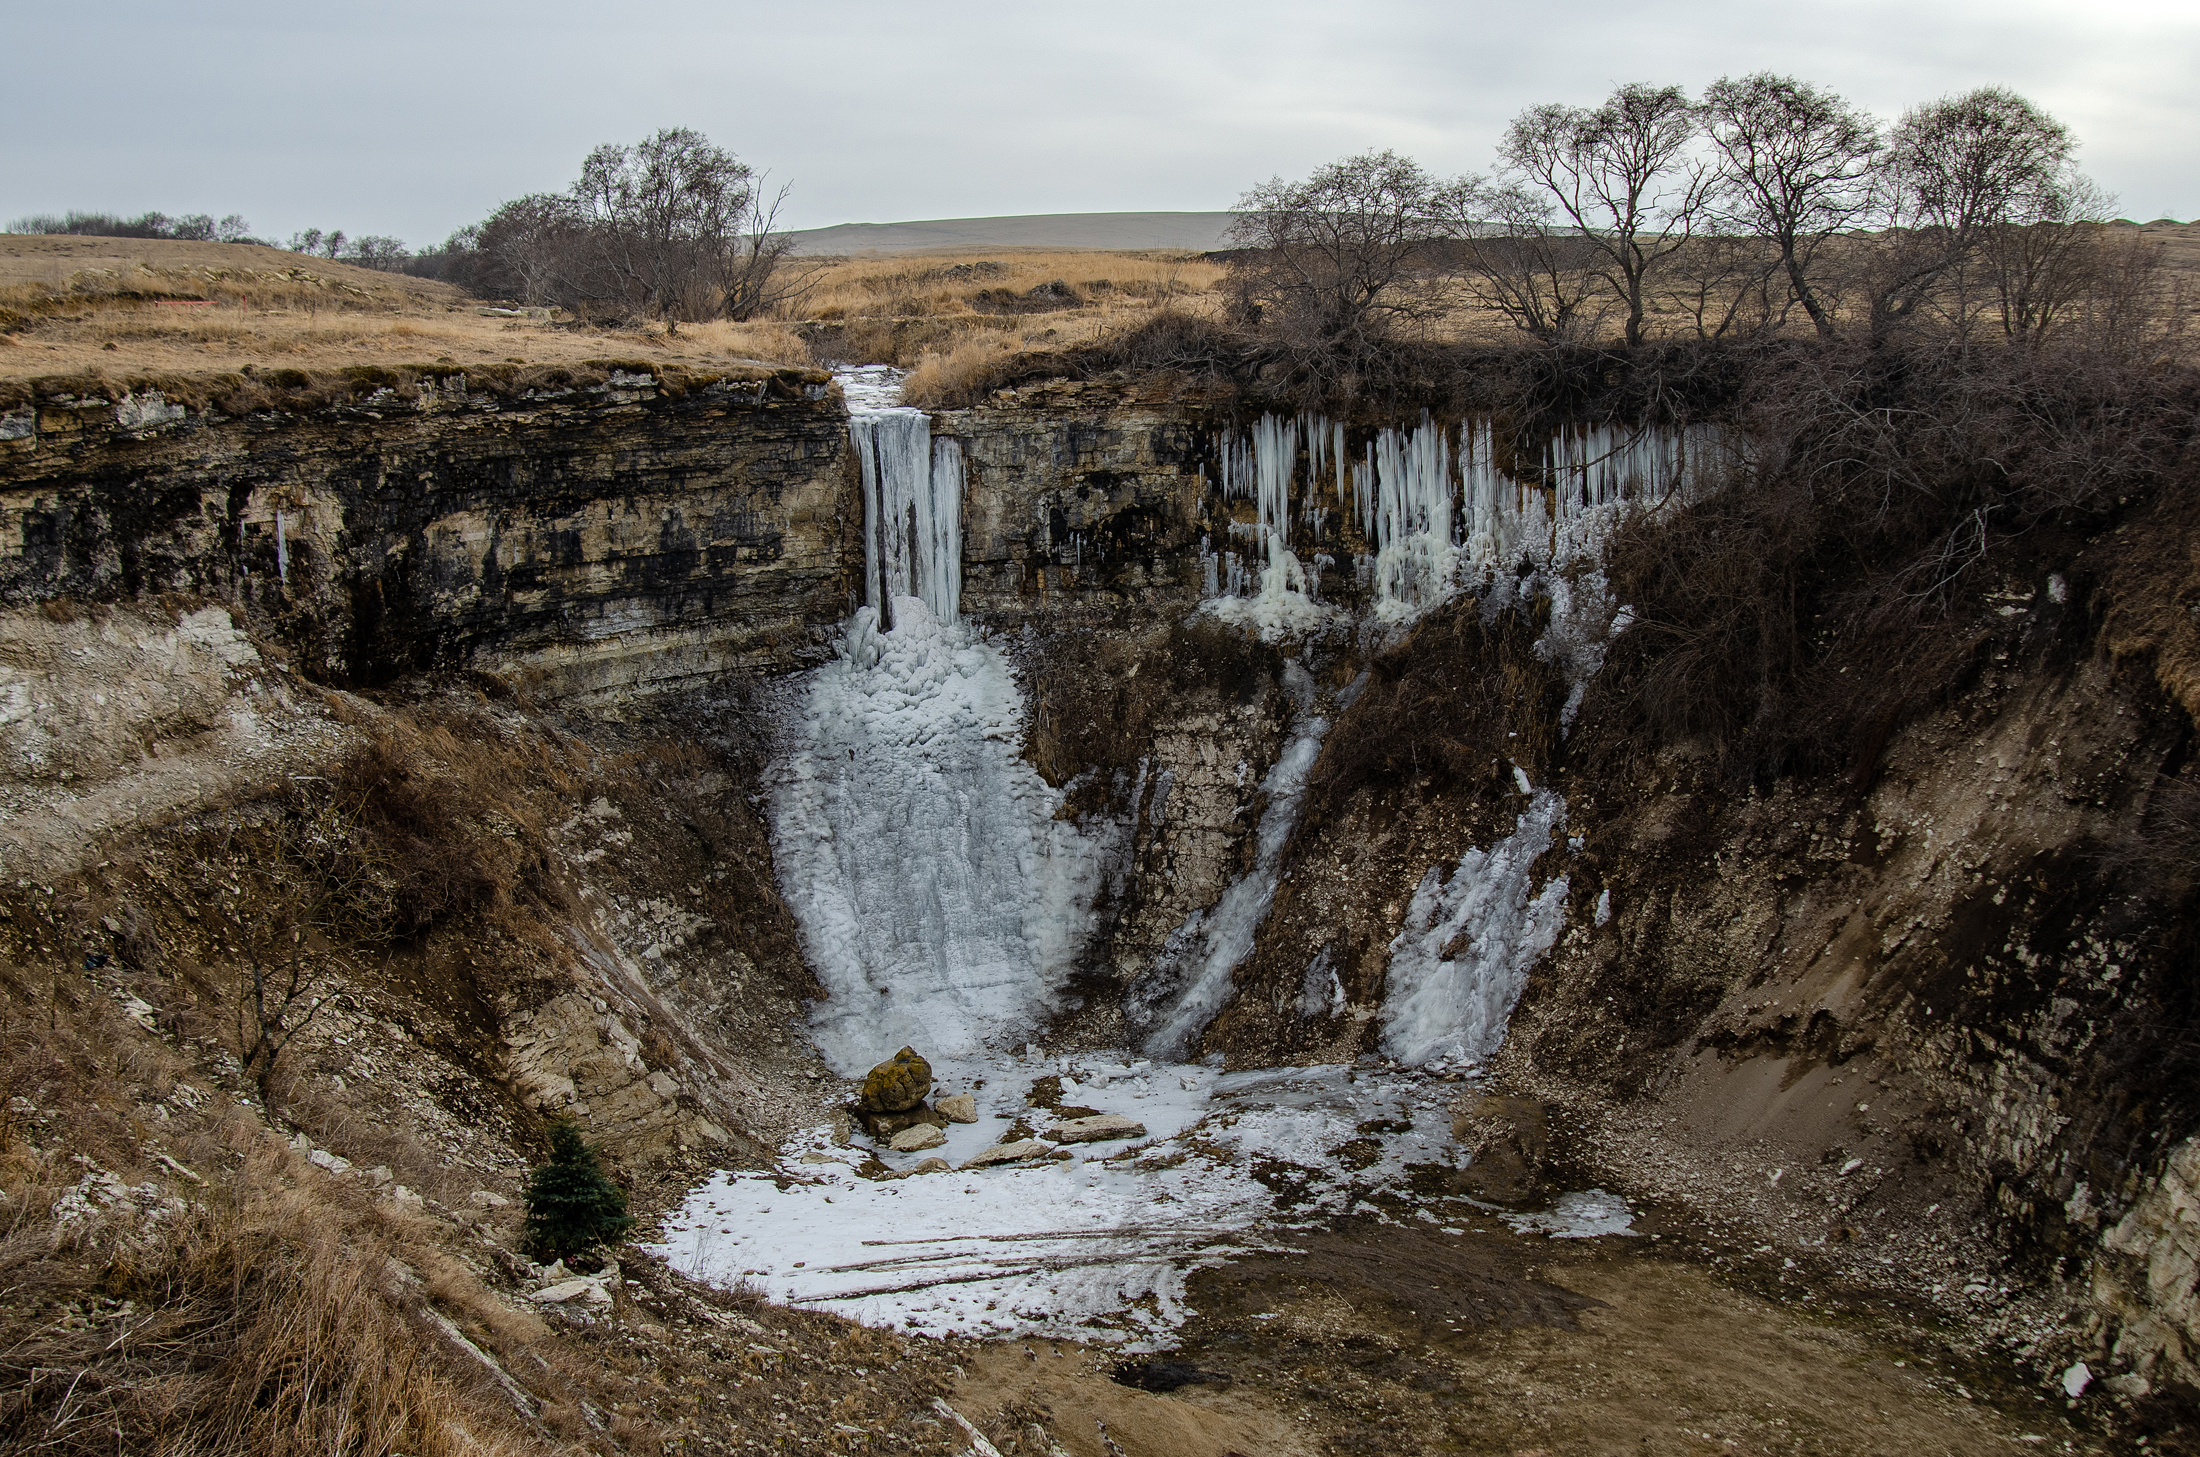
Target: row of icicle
1432,503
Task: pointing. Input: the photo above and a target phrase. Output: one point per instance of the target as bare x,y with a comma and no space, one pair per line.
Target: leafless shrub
1796,618
1540,278
1337,265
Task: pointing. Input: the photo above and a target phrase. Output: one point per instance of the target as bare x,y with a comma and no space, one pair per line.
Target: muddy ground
1383,1338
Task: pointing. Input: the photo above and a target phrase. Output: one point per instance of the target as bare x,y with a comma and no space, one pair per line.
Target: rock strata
1010,1153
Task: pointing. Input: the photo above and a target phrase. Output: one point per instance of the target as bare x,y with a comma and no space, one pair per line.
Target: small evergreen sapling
571,1202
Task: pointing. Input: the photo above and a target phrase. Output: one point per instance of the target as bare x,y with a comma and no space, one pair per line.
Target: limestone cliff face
1081,498
607,540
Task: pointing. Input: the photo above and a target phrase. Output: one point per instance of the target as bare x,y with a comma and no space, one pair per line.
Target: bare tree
661,216
1517,260
2068,269
1796,165
758,274
1621,177
1959,170
673,228
319,895
1339,261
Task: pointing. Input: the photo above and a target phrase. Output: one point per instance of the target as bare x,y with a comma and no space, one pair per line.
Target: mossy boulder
897,1084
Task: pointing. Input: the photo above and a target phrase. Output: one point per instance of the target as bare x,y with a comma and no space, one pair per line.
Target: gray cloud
411,118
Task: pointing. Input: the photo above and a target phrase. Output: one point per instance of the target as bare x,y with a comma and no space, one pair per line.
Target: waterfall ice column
941,901
1494,924
912,510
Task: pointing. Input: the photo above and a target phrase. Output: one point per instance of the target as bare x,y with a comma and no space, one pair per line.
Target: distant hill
1196,231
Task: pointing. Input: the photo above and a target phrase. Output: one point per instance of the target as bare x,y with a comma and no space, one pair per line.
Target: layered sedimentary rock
604,540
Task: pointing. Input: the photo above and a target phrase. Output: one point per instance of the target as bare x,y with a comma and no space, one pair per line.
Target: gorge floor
1360,1344
1369,1309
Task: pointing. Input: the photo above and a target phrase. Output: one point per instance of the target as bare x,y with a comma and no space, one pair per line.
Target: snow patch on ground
1089,1246
1585,1215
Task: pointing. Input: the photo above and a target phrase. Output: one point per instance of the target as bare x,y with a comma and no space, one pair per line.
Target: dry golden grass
930,287
947,319
77,307
81,306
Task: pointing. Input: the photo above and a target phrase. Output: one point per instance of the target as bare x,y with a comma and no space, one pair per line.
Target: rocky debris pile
578,1298
892,1107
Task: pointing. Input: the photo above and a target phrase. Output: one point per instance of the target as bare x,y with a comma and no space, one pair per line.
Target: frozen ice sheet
1089,1246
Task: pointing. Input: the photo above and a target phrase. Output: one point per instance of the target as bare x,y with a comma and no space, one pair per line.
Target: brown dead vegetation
183,1280
1843,584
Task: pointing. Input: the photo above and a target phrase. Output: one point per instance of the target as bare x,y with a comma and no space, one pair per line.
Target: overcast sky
412,118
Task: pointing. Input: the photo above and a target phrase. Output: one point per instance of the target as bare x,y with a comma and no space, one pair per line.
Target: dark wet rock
1165,1375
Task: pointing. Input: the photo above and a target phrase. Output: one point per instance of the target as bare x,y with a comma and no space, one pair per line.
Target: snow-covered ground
1095,1246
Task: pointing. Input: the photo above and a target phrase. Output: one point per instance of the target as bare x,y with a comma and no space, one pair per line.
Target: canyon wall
1926,1021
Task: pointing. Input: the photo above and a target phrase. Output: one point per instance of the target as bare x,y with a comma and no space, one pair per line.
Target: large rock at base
918,1135
1100,1128
897,1084
886,1125
962,1108
1011,1153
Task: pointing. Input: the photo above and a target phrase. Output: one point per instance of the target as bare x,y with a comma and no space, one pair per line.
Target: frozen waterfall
1283,599
912,499
940,900
1189,982
1434,509
1459,962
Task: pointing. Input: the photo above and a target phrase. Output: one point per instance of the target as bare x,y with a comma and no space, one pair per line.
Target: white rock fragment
918,1135
1100,1128
2076,1379
588,1290
1010,1153
962,1108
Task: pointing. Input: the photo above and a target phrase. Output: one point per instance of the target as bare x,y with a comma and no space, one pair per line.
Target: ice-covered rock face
1496,926
941,902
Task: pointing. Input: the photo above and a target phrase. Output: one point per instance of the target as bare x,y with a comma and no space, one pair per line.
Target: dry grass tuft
268,1322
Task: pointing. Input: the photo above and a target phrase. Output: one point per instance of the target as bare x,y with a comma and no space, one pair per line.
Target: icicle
912,507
